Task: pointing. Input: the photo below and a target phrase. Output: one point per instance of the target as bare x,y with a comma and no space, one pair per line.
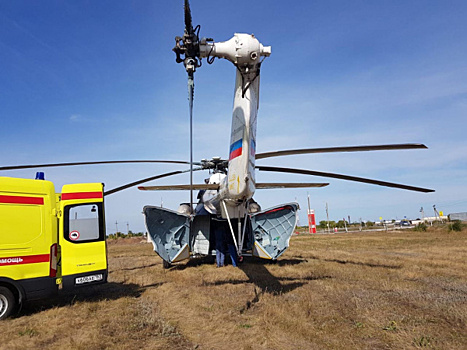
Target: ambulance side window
83,223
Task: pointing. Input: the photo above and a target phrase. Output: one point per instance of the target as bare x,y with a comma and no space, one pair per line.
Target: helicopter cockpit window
83,223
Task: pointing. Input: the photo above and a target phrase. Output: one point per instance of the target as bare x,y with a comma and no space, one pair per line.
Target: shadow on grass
208,260
265,282
194,262
106,291
136,268
258,274
343,262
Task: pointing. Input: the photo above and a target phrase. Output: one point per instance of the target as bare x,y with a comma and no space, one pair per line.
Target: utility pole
327,216
438,217
423,214
116,227
127,228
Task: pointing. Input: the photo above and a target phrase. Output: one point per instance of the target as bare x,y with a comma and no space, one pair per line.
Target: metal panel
201,231
272,230
168,230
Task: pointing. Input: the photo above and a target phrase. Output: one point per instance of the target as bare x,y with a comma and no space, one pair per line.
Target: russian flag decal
235,149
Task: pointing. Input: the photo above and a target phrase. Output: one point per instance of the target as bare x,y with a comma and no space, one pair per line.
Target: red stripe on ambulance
81,195
21,260
22,200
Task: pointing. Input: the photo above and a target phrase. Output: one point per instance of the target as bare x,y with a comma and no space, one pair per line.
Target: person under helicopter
231,248
219,240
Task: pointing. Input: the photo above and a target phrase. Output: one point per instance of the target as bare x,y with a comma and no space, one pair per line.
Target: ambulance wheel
166,265
8,303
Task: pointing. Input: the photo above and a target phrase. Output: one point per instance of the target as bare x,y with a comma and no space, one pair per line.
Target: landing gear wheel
166,265
8,303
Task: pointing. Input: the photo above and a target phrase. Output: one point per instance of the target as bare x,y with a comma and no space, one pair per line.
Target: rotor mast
188,45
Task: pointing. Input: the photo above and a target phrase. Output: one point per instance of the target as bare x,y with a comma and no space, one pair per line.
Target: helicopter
228,193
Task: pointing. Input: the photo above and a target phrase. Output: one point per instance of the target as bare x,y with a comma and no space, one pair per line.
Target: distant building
458,216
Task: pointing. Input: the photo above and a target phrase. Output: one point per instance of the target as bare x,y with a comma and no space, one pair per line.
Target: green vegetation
123,235
420,227
422,342
392,326
455,226
29,332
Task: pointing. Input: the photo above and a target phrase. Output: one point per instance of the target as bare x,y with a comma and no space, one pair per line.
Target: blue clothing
233,255
220,245
220,258
220,239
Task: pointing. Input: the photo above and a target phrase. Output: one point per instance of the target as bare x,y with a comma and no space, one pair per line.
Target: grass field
385,290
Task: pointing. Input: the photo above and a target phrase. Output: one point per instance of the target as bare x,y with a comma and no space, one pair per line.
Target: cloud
75,118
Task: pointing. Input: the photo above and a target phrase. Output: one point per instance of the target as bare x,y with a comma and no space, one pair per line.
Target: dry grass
395,290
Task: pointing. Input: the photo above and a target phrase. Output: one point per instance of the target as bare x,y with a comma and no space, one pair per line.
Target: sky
97,80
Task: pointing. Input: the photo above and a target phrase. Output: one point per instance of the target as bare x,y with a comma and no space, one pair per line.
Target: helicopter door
83,249
272,230
169,232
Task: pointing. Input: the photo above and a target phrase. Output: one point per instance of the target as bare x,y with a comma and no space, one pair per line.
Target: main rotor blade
342,177
139,182
188,20
339,149
50,165
179,187
272,185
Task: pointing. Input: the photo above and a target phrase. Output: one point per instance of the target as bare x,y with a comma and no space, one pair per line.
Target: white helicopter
228,193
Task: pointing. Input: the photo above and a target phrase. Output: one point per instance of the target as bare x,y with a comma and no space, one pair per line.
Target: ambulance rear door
82,236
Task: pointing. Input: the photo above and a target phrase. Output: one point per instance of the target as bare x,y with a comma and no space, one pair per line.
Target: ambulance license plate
88,279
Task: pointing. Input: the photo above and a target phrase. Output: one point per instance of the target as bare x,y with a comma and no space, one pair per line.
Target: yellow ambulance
49,239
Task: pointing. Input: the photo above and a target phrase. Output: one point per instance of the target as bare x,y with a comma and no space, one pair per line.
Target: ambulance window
83,223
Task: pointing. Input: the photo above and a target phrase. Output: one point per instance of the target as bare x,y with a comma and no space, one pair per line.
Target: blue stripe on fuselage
236,145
